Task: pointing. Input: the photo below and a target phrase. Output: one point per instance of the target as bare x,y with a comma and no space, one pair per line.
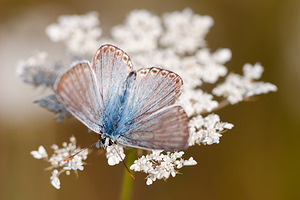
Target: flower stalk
127,182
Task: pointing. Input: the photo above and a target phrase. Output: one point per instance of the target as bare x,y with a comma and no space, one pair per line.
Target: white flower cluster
196,101
114,154
185,31
161,166
58,162
139,33
175,41
80,34
237,87
206,130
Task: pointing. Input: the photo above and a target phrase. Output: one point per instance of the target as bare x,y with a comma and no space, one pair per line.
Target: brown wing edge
118,52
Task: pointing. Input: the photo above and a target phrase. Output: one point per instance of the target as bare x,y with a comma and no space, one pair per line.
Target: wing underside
77,91
165,129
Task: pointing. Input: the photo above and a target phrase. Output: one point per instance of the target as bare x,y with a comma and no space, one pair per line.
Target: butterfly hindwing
150,119
165,129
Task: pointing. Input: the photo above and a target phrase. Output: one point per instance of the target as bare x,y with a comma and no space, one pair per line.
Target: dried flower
51,103
37,71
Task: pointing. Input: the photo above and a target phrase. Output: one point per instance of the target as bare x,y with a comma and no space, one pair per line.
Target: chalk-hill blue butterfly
132,108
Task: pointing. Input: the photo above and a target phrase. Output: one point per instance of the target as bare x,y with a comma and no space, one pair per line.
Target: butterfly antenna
130,174
79,152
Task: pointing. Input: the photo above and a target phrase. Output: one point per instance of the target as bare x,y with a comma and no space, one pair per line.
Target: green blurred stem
126,189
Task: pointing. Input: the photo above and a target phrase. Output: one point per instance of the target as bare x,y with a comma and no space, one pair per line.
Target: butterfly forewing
165,129
77,91
154,89
111,66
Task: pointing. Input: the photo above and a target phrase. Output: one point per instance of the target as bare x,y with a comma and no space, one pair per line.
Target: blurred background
258,159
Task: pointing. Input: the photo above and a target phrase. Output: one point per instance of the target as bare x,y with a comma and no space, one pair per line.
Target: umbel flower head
57,161
173,41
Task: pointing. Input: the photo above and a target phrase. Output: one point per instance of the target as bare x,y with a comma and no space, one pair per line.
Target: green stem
126,189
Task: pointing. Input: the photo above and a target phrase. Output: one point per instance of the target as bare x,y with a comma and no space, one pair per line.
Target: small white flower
114,154
76,162
222,55
227,125
190,161
54,180
40,153
253,71
150,181
73,140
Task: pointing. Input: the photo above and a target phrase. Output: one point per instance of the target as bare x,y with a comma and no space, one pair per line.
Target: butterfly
127,107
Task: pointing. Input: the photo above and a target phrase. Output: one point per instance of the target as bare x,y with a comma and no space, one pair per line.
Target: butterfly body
133,108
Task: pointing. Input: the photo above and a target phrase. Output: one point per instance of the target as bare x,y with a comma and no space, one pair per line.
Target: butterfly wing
77,91
111,66
150,119
165,129
154,89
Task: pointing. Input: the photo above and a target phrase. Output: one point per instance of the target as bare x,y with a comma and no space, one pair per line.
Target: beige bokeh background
258,159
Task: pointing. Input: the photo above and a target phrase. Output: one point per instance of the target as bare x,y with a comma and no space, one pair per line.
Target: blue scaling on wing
115,111
112,67
133,108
